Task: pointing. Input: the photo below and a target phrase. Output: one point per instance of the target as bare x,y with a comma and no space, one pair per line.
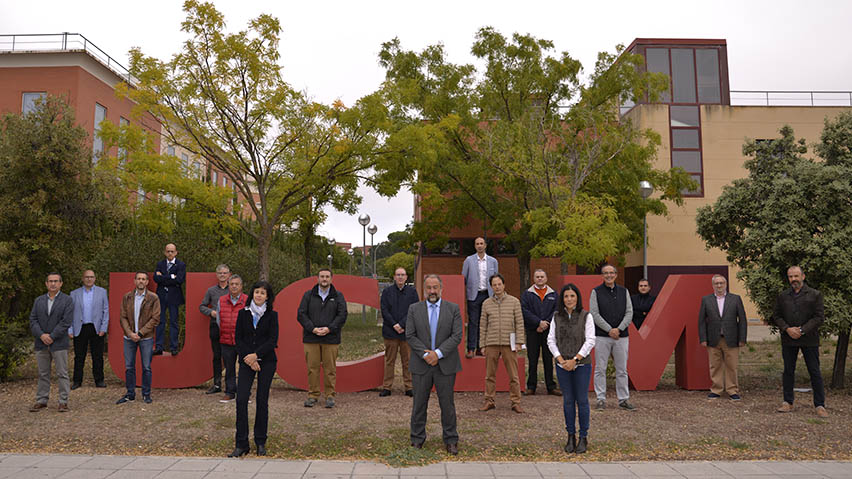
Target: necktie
433,322
169,266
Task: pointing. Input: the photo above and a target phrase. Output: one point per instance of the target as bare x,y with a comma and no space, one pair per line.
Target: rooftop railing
790,98
62,42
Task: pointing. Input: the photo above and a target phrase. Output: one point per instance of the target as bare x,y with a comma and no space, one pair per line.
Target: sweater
500,318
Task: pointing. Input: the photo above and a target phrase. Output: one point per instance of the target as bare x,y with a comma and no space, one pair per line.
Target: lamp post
364,220
330,256
645,189
372,230
351,254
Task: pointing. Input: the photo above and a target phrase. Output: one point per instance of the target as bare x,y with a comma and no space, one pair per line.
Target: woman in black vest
256,338
570,340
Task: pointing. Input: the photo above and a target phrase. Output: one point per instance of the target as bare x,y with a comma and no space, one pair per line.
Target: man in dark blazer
169,276
433,331
50,319
722,329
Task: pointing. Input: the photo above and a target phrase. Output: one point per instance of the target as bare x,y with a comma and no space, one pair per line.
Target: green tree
526,147
391,263
223,97
792,210
54,209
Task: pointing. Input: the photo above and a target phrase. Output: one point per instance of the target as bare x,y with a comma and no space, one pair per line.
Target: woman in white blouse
570,340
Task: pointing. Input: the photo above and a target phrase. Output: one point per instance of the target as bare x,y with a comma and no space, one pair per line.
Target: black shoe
174,352
453,449
238,451
261,449
417,445
582,445
147,399
624,404
75,386
158,352
409,393
214,389
384,393
100,384
125,399
571,445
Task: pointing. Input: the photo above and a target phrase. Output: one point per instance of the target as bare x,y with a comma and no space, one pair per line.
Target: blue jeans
146,351
575,390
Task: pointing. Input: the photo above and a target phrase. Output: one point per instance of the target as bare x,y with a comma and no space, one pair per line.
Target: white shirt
50,303
483,271
588,334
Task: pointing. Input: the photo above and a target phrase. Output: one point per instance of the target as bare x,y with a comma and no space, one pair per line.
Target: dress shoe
487,406
554,392
409,393
468,354
479,352
147,399
713,396
157,352
75,386
517,408
417,445
174,352
214,389
785,407
529,392
100,384
227,398
310,402
261,449
125,399
329,402
238,451
63,407
571,445
37,407
582,445
821,412
453,449
384,393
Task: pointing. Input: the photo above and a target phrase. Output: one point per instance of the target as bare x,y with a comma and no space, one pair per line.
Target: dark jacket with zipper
316,313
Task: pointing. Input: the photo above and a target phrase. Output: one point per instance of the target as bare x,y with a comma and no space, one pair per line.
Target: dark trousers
474,310
229,357
261,419
444,385
811,355
575,394
217,353
537,343
174,329
88,339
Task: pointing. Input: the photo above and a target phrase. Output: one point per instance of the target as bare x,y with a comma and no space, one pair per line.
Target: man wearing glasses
208,307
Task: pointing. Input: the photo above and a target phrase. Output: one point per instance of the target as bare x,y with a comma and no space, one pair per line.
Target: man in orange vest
227,311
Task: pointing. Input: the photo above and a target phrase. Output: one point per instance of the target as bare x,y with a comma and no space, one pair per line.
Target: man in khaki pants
322,313
722,328
501,333
396,299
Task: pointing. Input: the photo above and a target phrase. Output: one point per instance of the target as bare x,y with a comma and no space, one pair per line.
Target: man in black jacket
322,313
798,315
396,300
642,302
538,304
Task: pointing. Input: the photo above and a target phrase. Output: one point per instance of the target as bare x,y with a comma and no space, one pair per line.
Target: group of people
425,334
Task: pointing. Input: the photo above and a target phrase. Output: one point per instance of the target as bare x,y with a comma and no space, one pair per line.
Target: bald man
169,276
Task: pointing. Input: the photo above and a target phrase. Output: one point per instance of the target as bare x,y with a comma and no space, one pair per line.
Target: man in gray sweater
208,307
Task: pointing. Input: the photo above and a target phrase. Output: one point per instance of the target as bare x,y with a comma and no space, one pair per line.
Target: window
28,101
185,158
214,178
122,152
140,194
707,66
224,180
685,128
170,151
97,142
683,75
658,62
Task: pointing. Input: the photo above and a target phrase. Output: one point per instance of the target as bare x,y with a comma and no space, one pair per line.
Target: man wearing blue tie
433,331
170,276
91,321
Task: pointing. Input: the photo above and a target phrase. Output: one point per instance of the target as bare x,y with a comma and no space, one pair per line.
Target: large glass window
684,116
658,62
122,152
707,65
97,142
215,178
683,75
684,138
28,100
686,143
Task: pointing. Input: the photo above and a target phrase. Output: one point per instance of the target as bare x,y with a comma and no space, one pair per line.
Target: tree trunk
264,239
838,373
523,270
307,236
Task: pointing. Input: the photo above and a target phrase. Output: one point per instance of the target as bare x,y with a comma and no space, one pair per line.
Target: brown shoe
784,407
63,407
821,412
453,449
517,408
468,354
37,407
554,392
529,392
487,406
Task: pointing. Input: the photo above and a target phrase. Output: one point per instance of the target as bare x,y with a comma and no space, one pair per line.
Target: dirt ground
669,424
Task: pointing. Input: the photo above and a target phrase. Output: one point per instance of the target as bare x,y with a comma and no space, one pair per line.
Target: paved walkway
23,466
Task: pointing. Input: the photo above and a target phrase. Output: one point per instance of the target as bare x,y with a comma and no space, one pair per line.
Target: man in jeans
798,315
208,307
140,314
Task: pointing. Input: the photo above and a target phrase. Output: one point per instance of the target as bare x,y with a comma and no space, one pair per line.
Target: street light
364,220
351,253
330,256
372,230
645,189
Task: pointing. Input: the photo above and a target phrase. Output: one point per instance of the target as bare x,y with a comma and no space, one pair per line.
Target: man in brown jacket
140,314
501,333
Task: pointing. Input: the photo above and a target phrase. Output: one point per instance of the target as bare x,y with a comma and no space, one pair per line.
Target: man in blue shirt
91,321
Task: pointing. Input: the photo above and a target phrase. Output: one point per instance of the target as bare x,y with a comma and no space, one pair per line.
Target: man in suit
50,318
477,269
91,320
169,276
138,319
722,328
433,331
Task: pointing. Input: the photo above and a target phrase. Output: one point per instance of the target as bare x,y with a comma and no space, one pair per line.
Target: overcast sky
329,49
